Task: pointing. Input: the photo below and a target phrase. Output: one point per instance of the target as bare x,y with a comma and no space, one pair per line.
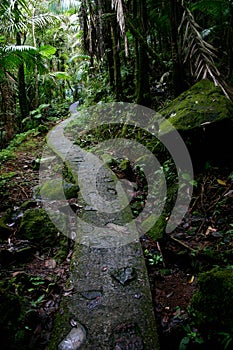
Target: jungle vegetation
55,52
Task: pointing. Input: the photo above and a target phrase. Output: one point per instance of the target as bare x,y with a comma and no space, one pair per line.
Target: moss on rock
37,227
202,103
56,189
211,305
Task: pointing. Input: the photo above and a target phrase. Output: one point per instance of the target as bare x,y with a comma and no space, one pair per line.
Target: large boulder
203,115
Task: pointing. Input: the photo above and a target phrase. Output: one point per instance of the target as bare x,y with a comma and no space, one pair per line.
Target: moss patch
203,102
211,305
57,189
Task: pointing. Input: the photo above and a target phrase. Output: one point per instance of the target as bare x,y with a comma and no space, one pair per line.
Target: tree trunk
23,102
117,63
8,107
36,98
229,42
178,69
142,63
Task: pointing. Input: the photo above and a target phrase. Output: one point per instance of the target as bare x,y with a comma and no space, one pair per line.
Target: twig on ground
183,244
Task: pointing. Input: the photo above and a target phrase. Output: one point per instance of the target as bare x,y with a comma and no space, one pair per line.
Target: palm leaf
199,53
118,5
43,20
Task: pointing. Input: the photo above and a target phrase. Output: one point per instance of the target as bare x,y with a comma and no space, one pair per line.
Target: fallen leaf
191,280
210,229
221,182
14,274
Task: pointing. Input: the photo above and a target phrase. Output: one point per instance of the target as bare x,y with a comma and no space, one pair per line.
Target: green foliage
4,177
47,51
37,117
153,258
9,152
192,336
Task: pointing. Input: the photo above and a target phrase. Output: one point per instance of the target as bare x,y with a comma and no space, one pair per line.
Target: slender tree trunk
23,102
109,55
230,43
117,63
8,107
178,69
142,63
36,98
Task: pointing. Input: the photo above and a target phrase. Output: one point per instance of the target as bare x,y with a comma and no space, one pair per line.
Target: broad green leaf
61,75
47,51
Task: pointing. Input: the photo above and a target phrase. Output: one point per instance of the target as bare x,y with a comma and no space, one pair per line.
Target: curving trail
110,306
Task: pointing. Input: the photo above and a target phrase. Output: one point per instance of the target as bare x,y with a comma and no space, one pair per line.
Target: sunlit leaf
47,51
221,182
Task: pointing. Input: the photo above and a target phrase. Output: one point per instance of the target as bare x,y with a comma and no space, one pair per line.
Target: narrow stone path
108,302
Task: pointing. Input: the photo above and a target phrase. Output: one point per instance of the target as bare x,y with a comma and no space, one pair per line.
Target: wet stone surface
127,336
74,340
125,275
92,294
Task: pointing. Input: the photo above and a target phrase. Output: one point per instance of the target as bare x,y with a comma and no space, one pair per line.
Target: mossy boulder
37,227
211,305
202,103
203,116
56,190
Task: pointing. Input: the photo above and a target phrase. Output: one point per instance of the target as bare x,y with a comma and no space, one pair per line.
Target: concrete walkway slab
108,303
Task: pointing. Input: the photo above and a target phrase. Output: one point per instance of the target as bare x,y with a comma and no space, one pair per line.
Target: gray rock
125,275
74,340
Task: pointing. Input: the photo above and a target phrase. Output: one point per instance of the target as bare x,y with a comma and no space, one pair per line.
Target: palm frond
119,8
19,48
12,56
43,20
200,54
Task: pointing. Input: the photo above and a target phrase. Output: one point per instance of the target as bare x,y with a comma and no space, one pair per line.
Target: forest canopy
53,53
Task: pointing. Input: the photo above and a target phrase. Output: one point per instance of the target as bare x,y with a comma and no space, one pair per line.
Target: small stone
74,340
92,294
125,275
137,296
